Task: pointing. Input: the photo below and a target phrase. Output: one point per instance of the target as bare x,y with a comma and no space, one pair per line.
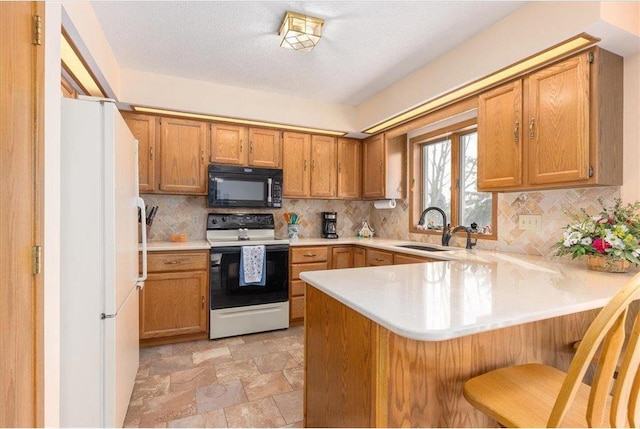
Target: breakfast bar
392,346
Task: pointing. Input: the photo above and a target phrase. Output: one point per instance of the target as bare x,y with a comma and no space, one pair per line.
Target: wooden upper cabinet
373,167
349,168
296,164
558,122
229,144
265,148
145,129
323,166
500,130
557,127
183,168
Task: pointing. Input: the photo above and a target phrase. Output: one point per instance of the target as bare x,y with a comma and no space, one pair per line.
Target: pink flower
600,245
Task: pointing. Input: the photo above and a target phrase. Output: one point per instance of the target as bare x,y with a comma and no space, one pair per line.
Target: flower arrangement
613,233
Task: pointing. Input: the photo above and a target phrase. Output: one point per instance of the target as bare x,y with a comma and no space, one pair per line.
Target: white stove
238,308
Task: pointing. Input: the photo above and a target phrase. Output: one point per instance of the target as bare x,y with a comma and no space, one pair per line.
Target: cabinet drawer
308,254
296,308
379,257
299,268
177,261
401,258
297,287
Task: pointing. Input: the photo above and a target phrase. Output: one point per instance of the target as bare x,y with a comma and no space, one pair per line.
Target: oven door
224,278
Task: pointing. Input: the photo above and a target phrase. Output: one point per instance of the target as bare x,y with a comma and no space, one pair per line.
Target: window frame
416,161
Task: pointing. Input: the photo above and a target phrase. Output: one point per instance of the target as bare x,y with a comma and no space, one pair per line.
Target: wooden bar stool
536,395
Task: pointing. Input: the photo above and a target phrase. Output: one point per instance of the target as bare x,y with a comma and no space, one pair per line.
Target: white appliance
100,279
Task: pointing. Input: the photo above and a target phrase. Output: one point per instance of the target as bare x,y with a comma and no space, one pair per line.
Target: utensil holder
292,230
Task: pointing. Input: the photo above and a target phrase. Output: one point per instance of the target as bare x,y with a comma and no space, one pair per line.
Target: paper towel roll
385,204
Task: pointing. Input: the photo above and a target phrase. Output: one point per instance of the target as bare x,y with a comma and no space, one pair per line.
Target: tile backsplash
188,214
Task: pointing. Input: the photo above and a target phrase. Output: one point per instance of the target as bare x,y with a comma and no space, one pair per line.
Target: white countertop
476,291
156,246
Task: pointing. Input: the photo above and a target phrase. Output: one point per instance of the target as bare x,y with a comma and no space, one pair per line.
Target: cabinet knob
240,145
151,152
202,156
203,302
171,262
251,146
516,132
305,165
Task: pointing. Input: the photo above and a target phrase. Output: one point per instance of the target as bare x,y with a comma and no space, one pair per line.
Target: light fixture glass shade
300,32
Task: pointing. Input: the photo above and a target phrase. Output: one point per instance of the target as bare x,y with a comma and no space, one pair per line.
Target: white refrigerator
100,277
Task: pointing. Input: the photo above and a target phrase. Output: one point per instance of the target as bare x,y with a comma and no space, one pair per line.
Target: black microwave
232,186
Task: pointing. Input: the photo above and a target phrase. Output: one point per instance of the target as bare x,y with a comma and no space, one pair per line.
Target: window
445,172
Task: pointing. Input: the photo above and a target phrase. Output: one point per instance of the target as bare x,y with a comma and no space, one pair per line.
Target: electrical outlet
195,219
530,222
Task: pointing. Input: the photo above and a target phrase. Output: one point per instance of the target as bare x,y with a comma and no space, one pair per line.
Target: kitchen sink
421,247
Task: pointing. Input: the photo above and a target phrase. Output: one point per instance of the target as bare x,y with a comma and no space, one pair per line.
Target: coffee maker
329,220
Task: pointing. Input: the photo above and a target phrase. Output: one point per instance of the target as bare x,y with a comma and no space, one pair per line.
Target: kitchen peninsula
391,346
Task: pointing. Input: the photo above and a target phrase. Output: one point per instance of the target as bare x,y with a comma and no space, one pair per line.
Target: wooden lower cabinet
301,259
174,303
379,257
341,257
359,257
403,258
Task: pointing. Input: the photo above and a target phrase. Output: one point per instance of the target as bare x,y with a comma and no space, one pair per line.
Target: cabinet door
558,128
500,137
373,167
403,258
174,303
349,168
295,164
342,257
359,257
182,156
264,148
228,144
323,166
144,128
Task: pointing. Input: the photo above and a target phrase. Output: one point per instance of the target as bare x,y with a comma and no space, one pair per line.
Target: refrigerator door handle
143,230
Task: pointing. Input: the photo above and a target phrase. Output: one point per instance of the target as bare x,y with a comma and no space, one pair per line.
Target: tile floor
247,381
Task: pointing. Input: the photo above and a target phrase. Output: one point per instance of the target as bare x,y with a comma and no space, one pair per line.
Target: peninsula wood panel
183,146
265,147
343,345
145,129
402,382
323,166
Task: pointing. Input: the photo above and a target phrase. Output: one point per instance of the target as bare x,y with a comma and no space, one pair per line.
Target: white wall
168,92
52,215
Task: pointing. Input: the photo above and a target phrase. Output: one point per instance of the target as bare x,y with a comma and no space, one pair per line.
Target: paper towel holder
385,204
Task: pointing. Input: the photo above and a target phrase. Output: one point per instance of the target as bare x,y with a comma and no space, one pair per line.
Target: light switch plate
530,222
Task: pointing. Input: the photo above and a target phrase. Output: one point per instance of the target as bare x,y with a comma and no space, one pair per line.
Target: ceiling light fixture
300,32
235,121
563,49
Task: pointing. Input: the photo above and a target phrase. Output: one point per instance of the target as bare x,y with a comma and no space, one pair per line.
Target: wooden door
21,216
144,128
349,168
373,167
558,128
229,144
324,166
500,137
359,257
342,257
295,164
174,303
182,156
265,148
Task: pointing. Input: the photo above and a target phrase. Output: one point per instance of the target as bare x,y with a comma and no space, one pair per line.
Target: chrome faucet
470,244
446,234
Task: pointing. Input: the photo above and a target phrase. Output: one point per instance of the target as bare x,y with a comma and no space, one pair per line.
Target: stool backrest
607,332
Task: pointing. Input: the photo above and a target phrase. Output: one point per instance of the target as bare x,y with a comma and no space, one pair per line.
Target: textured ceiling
366,46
